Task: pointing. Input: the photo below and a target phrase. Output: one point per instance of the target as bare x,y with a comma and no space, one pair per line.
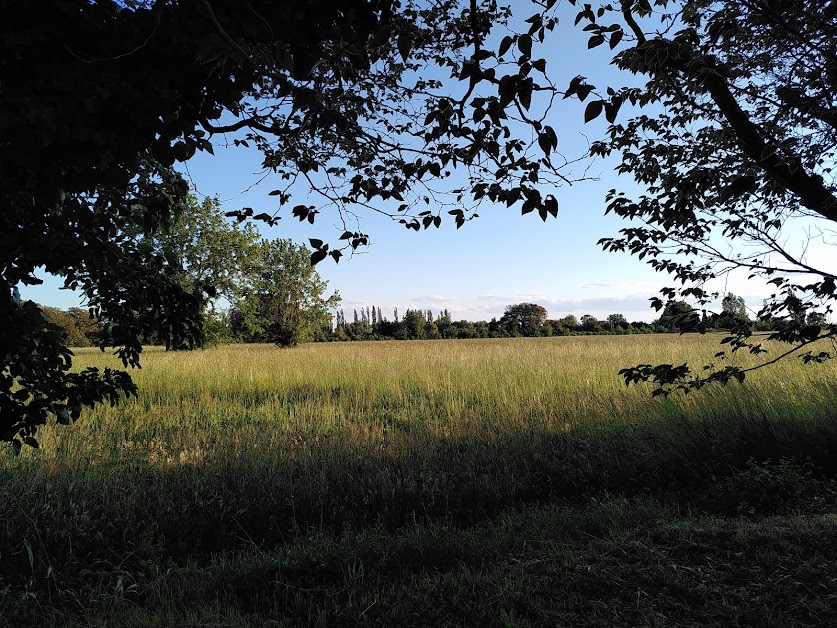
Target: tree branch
810,189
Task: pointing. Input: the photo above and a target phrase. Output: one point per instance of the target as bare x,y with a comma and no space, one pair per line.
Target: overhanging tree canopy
735,147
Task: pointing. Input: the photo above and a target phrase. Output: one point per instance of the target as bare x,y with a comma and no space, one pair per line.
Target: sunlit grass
228,401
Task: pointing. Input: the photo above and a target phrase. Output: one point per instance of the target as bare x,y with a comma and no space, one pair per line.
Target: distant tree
431,331
569,322
87,324
207,253
286,301
796,309
588,322
734,306
618,321
495,329
816,319
217,327
679,316
360,330
733,313
443,323
80,328
523,319
398,331
207,249
414,323
641,326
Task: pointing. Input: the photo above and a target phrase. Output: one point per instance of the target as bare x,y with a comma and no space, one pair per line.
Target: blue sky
499,259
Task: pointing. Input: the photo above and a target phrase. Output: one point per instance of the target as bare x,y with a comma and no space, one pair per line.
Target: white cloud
433,299
634,306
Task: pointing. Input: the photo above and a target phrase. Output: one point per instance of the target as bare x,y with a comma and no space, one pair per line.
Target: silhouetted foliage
737,144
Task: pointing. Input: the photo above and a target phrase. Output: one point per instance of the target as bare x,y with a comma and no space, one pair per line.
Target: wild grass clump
254,449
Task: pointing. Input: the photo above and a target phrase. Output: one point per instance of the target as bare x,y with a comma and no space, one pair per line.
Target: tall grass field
512,482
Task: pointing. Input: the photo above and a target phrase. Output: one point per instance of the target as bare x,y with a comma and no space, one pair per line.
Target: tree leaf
594,109
381,36
545,143
405,43
505,45
506,90
551,205
524,44
525,96
595,40
612,108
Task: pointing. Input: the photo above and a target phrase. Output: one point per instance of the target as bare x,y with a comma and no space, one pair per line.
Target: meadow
513,482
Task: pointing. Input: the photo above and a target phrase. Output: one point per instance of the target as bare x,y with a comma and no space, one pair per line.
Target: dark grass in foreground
757,547
610,562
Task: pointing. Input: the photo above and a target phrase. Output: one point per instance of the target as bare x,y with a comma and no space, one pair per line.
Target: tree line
519,320
261,321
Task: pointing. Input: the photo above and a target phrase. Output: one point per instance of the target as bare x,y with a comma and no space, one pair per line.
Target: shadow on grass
83,525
